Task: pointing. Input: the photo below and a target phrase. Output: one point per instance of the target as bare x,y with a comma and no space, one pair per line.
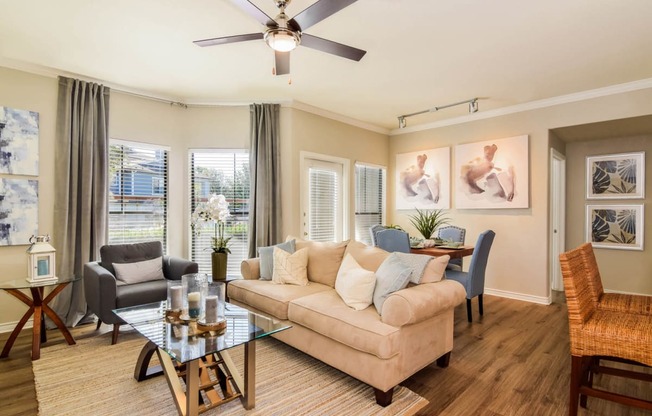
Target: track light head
473,106
401,122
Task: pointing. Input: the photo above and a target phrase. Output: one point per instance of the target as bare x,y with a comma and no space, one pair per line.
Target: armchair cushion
140,271
129,253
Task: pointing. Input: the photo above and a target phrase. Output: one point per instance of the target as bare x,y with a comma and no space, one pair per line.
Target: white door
558,216
323,201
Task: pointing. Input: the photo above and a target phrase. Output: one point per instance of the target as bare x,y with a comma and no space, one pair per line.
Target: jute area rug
96,378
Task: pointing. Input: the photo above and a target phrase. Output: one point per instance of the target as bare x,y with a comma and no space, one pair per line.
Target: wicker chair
611,301
597,334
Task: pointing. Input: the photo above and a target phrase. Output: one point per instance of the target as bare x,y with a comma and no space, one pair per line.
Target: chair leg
99,324
114,337
469,314
576,379
480,305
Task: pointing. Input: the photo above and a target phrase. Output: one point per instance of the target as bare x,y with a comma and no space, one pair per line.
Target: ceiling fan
283,34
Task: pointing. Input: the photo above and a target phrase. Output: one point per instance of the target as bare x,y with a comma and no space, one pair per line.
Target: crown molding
298,105
532,105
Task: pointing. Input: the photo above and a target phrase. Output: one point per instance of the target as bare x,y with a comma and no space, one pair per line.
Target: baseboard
542,300
9,326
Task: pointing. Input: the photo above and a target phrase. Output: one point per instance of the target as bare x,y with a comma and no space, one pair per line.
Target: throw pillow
266,255
290,268
368,257
354,284
324,259
435,270
140,271
392,275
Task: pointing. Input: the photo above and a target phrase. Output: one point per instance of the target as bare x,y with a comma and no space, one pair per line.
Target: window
227,173
138,193
369,200
323,195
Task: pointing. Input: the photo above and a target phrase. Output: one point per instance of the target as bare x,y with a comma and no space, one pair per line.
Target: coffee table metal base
197,377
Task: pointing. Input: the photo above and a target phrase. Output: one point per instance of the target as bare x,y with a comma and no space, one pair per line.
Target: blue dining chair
473,280
374,230
454,234
393,240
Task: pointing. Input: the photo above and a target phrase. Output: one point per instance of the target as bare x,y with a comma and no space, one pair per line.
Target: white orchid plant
215,211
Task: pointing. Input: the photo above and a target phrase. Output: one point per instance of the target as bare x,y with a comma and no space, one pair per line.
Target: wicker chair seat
614,334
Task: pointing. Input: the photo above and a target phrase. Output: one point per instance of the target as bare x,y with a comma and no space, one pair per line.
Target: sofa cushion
268,297
354,284
324,259
266,255
425,269
139,271
391,276
326,314
290,268
368,257
435,270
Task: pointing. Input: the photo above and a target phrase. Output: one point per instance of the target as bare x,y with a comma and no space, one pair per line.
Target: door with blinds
323,210
369,200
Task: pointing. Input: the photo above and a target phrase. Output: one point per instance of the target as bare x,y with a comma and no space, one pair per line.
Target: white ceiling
420,53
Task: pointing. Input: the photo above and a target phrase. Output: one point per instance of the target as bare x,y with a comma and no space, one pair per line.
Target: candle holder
193,286
213,318
175,299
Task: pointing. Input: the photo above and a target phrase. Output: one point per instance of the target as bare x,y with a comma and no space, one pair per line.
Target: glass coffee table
200,358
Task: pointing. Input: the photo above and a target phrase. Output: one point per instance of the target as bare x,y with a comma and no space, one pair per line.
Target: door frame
557,231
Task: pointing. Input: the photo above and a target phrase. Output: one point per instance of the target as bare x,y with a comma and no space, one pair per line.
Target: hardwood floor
513,361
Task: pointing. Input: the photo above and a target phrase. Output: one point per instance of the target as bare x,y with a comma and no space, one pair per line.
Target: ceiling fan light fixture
282,39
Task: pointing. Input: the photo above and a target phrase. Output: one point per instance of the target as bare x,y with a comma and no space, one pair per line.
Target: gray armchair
105,293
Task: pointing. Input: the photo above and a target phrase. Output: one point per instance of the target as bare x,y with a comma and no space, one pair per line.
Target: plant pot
218,263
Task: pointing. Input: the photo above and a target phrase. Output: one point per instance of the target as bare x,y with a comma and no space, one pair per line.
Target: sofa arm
100,292
250,269
418,303
175,267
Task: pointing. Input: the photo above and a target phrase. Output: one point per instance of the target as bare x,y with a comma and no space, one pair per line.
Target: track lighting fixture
473,108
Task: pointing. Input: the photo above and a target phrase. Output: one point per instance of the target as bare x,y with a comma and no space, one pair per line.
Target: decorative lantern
41,261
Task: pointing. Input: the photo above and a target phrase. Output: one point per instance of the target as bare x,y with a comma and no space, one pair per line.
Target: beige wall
518,264
621,270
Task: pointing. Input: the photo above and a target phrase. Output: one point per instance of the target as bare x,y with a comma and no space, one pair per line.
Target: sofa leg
444,360
114,337
384,398
480,308
469,315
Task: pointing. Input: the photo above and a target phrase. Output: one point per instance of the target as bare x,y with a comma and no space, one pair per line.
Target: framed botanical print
619,176
615,226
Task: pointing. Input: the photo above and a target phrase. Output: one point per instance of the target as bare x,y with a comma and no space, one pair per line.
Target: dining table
454,253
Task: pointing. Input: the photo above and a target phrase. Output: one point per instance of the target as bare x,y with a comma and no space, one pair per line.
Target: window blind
369,197
323,204
227,173
138,193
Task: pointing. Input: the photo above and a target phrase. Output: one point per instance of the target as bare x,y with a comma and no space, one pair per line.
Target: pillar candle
211,309
176,299
193,304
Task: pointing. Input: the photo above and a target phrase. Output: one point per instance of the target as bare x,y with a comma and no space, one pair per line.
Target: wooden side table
38,307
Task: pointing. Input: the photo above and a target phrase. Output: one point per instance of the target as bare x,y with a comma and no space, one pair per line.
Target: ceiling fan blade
318,12
331,47
282,63
253,11
228,39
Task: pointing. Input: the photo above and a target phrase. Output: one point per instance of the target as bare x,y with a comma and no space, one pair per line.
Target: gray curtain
264,164
81,175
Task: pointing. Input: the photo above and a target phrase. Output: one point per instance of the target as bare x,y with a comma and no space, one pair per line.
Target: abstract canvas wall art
492,174
617,176
423,179
18,211
18,141
615,226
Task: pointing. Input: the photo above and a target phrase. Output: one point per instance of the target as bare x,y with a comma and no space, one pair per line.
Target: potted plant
426,222
216,212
